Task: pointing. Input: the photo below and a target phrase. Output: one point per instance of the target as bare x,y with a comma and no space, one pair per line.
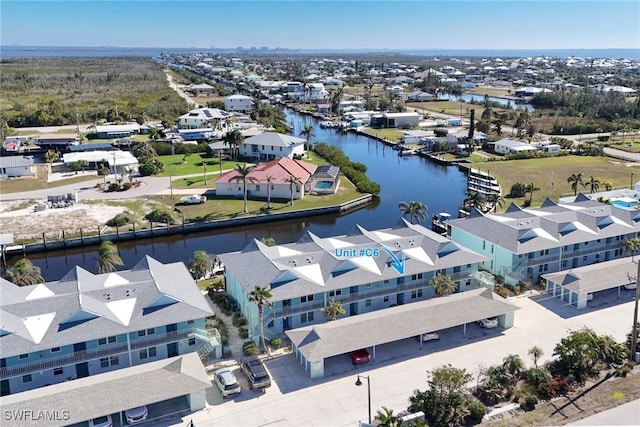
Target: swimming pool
323,185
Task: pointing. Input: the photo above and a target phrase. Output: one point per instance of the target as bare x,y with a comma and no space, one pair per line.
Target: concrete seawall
164,230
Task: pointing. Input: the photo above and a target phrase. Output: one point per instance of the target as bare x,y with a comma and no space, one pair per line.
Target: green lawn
394,135
453,108
17,185
550,174
628,144
193,165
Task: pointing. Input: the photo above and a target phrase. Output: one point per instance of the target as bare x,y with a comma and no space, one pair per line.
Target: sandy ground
20,218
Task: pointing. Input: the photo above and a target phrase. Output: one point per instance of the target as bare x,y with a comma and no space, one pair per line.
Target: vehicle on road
489,322
194,199
360,356
430,336
227,382
103,421
256,373
136,415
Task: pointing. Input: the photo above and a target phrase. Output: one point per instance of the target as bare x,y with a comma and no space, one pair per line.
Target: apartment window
307,298
105,362
280,148
147,353
385,298
262,147
55,349
109,340
310,316
564,263
23,356
191,322
192,341
368,285
26,378
272,148
416,276
456,269
335,293
367,303
400,280
416,293
386,282
58,371
145,332
306,317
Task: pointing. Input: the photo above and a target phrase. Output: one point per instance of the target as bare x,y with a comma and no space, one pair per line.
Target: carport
313,344
574,286
83,399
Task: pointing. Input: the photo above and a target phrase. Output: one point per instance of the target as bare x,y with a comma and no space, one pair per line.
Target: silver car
226,382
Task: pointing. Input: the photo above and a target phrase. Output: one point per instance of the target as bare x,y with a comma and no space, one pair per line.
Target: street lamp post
359,383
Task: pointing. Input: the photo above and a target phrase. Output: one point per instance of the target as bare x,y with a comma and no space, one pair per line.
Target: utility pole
170,182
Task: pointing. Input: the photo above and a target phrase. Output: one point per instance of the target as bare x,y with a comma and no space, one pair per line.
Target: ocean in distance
21,51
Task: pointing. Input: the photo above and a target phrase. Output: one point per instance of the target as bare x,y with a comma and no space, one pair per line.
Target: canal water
404,178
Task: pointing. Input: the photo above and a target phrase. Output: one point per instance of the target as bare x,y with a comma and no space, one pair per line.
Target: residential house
56,141
271,145
120,162
279,169
238,103
205,117
419,96
511,146
366,271
352,105
87,324
121,131
395,120
14,166
202,88
522,244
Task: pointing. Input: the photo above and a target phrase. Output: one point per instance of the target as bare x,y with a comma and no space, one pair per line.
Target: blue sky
300,24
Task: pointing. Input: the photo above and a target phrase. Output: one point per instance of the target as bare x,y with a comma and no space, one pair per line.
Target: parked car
192,200
136,415
227,382
103,421
430,336
256,373
489,322
360,356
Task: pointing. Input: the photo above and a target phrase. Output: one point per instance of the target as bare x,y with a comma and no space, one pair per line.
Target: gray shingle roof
83,306
16,161
551,225
395,323
316,264
127,388
596,277
274,139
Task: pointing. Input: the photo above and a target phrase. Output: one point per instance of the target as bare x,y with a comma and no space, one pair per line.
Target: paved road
400,367
627,414
614,152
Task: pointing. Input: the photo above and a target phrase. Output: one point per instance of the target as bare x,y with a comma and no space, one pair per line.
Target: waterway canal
401,178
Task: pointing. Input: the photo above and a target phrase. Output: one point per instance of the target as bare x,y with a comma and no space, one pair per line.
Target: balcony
104,351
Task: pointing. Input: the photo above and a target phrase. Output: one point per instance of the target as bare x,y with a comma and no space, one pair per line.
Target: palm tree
104,171
50,157
24,273
514,366
292,180
261,296
474,199
307,132
108,257
200,264
530,189
386,418
594,184
574,180
234,140
607,185
333,310
535,352
415,210
269,179
496,200
243,172
443,285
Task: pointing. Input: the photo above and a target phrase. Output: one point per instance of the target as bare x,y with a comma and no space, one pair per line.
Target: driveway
296,400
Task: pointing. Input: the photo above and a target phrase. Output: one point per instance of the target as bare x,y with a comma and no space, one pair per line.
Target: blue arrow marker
396,263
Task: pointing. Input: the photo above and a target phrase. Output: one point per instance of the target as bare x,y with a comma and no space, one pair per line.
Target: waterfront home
419,96
522,244
395,120
14,166
511,146
238,103
366,271
87,324
271,145
279,170
204,117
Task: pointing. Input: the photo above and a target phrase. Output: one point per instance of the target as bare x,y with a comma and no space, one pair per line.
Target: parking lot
294,399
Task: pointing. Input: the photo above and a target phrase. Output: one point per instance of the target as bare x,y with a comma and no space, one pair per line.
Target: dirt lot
592,399
20,218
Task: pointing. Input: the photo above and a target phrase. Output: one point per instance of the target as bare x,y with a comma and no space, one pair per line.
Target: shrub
113,187
120,219
250,348
275,342
126,186
517,190
158,215
503,292
554,387
529,403
477,411
536,376
243,333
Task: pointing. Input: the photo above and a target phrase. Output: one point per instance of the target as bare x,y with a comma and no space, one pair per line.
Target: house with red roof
280,169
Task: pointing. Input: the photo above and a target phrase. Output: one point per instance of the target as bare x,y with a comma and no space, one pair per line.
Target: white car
136,415
192,200
227,382
489,322
430,336
103,421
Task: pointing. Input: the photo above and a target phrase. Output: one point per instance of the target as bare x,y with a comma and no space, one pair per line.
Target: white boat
406,153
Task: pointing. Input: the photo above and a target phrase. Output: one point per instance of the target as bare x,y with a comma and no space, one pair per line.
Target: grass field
394,135
491,91
452,108
18,185
550,174
193,165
